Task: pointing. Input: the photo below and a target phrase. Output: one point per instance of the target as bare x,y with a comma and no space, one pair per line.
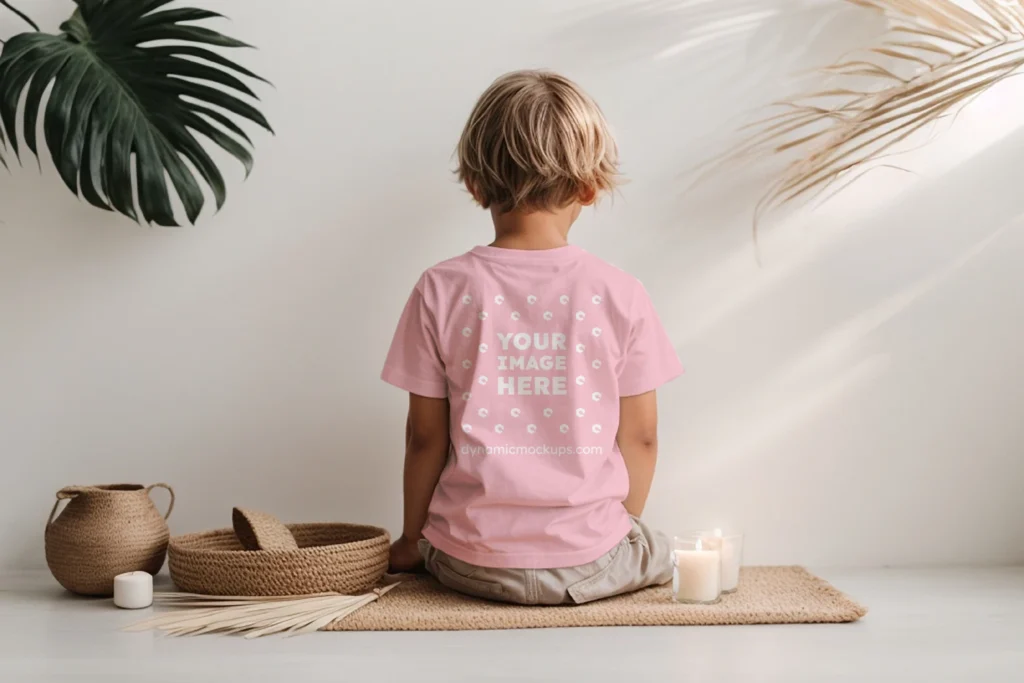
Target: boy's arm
638,441
426,452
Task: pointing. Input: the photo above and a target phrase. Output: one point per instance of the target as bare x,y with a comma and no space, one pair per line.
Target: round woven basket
105,531
340,558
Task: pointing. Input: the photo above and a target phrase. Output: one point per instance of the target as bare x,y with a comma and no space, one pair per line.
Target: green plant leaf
120,108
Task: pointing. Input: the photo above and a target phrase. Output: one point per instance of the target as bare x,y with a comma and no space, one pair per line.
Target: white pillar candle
697,575
133,590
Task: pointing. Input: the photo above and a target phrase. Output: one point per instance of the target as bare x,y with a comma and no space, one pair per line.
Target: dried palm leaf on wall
936,57
254,616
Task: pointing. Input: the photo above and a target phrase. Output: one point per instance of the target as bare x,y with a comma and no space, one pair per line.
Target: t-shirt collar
556,255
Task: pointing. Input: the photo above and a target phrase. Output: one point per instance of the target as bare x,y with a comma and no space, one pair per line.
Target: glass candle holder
731,548
696,571
732,559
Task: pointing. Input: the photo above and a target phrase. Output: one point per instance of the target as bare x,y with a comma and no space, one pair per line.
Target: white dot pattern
581,314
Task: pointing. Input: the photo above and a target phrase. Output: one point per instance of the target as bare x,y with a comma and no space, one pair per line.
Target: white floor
932,625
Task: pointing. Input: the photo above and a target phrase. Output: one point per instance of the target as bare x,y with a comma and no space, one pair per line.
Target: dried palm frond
254,616
936,57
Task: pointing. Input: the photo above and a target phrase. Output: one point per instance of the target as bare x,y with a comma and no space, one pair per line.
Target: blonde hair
536,141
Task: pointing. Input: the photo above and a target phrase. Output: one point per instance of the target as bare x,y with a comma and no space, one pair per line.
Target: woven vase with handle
105,531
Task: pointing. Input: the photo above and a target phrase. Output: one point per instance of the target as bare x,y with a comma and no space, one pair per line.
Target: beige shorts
641,559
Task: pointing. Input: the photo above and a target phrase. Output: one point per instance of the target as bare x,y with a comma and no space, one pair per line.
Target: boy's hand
404,556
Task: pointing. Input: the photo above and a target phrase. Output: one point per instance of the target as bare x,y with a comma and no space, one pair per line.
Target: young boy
531,368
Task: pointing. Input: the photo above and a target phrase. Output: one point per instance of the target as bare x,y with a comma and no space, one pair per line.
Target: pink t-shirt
533,349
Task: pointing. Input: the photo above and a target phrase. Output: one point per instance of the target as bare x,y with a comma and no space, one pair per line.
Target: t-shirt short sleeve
649,359
414,363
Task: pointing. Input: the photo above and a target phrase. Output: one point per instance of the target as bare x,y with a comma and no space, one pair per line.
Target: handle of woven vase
170,505
65,493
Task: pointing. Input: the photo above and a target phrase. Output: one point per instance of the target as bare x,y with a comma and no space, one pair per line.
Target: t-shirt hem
414,385
650,385
545,560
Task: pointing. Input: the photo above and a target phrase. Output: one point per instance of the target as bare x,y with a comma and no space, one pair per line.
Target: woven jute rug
767,595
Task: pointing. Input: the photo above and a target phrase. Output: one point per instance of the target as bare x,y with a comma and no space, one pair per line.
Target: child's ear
472,192
588,196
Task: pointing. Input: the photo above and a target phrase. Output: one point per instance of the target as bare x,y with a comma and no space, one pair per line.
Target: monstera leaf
132,86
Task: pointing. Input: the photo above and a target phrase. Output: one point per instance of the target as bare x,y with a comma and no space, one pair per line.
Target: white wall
857,400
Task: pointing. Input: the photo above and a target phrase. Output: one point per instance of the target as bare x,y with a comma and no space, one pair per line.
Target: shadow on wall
830,365
877,324
882,343
698,32
715,49
688,74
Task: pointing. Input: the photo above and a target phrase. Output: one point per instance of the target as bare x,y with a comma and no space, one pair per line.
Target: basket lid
259,531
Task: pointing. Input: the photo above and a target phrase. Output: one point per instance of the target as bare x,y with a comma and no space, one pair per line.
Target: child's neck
533,230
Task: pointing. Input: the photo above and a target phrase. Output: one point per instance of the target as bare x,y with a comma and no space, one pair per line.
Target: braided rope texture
104,531
259,531
767,595
340,558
